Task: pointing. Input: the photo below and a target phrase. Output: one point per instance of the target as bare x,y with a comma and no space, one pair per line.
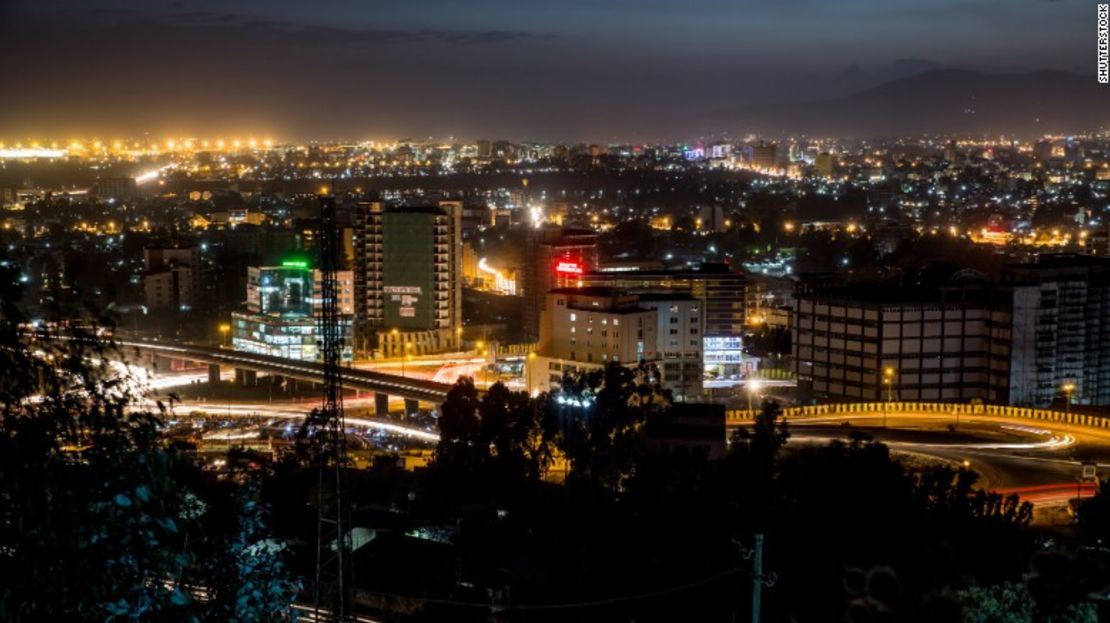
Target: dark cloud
190,15
298,34
110,12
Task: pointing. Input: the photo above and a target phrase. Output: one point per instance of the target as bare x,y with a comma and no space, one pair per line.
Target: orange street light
1068,389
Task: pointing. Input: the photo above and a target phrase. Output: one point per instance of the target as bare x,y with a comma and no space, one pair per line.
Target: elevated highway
951,411
247,365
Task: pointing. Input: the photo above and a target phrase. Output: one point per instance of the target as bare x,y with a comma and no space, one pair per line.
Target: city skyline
506,311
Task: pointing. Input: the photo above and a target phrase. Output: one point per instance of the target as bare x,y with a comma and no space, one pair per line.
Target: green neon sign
294,264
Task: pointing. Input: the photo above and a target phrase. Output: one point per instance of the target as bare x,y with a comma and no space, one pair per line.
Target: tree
753,461
1002,603
250,581
601,416
1094,516
1011,602
502,439
99,518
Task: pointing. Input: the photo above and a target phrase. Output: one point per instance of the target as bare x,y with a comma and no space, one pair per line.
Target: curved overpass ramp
1038,454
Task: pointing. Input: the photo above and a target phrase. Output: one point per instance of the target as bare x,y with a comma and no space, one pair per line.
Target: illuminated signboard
565,267
722,350
407,296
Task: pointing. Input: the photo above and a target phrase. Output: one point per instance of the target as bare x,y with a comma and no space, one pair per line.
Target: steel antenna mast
333,583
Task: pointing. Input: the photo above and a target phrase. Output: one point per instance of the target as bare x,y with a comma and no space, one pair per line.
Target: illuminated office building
557,258
408,279
282,309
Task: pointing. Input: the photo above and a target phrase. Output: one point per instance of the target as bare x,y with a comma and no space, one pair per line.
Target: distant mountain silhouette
947,101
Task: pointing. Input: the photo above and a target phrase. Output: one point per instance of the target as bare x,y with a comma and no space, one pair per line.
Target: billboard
408,270
722,350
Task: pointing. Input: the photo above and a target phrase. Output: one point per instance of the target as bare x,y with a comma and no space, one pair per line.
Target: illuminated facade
1061,335
679,331
584,329
720,292
408,279
282,306
915,344
557,258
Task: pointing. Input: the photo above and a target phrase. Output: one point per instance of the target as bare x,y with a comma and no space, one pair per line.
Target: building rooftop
597,291
716,269
649,297
898,294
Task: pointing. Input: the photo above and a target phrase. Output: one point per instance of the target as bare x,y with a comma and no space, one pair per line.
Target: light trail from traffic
259,411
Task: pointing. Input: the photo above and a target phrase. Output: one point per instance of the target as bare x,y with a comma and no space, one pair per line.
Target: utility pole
757,577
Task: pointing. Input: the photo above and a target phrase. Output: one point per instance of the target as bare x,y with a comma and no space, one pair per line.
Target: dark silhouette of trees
498,441
601,415
100,519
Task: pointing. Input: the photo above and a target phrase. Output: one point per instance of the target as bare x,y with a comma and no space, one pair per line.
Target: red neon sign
568,268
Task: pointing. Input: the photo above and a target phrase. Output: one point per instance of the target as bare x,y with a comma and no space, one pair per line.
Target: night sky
522,69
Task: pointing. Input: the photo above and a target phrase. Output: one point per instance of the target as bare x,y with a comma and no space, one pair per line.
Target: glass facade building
280,319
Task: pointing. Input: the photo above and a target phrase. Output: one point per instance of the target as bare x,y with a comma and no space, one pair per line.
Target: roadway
296,412
353,378
1039,461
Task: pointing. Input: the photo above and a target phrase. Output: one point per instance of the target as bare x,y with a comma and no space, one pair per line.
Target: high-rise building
1043,150
1061,334
408,281
680,329
721,294
1039,337
171,276
866,343
764,155
557,258
824,164
720,289
282,311
950,153
584,329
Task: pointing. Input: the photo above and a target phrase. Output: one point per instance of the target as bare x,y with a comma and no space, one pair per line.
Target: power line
570,605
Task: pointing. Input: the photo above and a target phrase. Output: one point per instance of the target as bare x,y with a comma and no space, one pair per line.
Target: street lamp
482,376
528,371
753,386
1068,389
225,329
405,356
888,380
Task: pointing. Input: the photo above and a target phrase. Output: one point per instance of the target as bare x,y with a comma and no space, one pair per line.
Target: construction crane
327,439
